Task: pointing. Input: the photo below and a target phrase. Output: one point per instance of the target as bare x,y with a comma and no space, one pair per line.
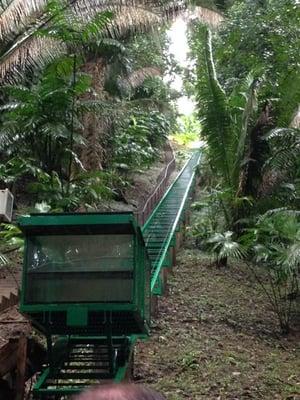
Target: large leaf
214,110
27,51
16,15
224,245
285,143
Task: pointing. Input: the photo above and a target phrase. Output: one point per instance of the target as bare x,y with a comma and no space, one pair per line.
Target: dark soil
216,338
143,183
12,325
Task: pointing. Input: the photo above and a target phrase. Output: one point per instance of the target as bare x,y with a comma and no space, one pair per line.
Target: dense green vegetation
60,127
84,104
247,103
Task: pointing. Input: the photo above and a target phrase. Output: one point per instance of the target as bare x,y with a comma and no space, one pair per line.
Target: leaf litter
215,337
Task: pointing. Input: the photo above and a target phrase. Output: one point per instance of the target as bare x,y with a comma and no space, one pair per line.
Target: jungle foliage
79,81
247,104
43,114
70,133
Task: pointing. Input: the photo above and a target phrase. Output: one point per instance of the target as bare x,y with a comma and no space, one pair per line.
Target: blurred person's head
119,392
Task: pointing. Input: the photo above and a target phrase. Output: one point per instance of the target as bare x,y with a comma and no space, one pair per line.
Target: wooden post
165,280
21,368
178,240
173,255
187,217
170,260
183,229
154,305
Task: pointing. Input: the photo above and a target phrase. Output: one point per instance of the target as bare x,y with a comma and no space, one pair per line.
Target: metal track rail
159,230
82,362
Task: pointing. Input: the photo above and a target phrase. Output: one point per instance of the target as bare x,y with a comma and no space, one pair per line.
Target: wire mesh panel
159,229
79,268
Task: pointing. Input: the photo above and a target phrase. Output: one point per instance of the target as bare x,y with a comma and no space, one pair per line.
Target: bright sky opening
179,48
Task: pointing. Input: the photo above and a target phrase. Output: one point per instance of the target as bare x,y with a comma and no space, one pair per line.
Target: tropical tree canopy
23,47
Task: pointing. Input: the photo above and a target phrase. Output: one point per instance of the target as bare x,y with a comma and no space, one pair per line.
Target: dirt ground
216,338
143,183
12,324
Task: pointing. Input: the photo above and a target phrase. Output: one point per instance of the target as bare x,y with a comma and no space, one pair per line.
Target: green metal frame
196,154
77,312
41,390
65,220
156,253
77,219
169,239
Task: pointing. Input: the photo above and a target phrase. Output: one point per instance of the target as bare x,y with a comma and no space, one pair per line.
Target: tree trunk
96,126
251,175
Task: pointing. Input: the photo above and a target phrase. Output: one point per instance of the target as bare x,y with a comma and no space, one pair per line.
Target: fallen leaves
215,340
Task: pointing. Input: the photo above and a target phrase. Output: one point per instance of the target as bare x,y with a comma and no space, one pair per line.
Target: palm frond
224,245
292,256
27,54
285,143
17,15
296,119
3,260
4,4
138,77
214,109
131,20
106,108
29,51
249,93
210,17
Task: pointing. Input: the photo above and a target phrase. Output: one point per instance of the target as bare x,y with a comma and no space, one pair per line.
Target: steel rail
148,222
174,215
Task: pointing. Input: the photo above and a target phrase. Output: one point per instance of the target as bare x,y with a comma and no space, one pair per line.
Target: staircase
9,290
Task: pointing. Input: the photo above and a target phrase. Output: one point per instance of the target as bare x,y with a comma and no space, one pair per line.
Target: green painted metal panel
78,267
84,361
122,371
77,316
62,219
158,287
159,235
65,307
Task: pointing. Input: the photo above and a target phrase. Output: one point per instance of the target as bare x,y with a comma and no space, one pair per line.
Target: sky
179,48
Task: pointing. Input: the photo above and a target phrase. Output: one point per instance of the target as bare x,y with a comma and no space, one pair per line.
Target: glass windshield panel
66,253
80,268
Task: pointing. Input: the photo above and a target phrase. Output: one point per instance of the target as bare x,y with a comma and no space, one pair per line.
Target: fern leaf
212,101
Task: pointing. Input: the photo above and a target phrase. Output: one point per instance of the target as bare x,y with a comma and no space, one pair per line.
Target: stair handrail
142,215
